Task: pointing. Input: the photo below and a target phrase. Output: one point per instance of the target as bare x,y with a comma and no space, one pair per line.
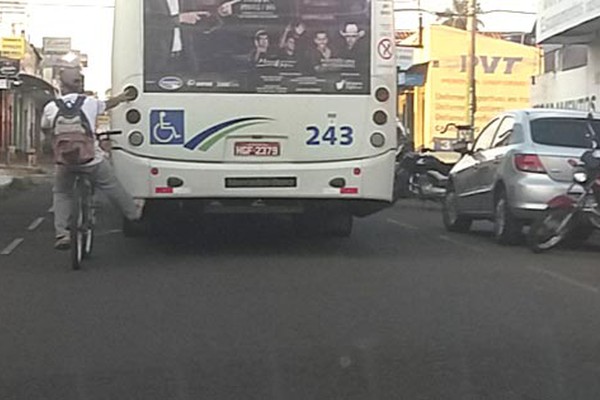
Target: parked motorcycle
574,216
422,175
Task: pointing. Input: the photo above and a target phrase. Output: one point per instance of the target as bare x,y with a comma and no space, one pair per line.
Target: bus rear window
250,46
562,132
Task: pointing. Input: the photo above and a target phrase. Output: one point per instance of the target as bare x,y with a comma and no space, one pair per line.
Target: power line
72,4
444,13
508,12
44,5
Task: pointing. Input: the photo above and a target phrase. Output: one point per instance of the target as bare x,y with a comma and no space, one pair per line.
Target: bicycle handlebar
108,134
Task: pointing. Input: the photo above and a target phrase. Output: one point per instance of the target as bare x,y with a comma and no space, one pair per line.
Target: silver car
518,163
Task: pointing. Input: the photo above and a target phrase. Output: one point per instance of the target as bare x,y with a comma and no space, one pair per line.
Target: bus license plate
257,149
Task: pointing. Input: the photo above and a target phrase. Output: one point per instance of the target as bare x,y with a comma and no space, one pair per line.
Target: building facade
433,92
569,33
23,94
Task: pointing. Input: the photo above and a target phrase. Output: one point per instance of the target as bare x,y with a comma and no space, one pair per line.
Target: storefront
30,98
22,99
504,74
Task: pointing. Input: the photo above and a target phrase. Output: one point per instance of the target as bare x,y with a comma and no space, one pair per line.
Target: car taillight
529,163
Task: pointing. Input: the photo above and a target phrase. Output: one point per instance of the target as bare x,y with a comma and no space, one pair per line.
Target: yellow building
504,72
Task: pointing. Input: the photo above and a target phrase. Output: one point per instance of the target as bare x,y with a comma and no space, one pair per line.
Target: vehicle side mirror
462,147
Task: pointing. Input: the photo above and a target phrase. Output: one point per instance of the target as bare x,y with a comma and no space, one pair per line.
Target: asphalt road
244,309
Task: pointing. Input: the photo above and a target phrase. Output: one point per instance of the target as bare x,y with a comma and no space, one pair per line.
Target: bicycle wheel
76,224
88,220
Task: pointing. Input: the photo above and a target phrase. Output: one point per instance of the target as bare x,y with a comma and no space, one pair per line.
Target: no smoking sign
385,49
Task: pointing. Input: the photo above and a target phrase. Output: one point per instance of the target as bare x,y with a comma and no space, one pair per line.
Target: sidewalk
19,176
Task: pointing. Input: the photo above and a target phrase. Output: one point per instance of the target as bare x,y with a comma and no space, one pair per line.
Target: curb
5,182
10,184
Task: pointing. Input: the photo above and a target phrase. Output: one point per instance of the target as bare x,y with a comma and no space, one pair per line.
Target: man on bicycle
97,167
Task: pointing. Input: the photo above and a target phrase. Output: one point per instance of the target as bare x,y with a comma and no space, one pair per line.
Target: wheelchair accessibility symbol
167,127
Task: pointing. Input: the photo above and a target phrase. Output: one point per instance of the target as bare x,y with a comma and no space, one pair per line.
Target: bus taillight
136,138
382,94
377,140
380,117
132,93
133,116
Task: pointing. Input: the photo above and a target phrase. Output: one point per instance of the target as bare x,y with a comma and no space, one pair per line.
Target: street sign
9,68
13,47
4,84
385,49
57,45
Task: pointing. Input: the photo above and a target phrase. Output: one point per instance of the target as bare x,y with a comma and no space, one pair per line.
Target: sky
496,21
89,24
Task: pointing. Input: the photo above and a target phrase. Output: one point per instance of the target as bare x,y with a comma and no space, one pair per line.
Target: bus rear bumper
368,180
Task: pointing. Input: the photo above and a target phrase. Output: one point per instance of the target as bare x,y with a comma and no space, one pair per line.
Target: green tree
458,15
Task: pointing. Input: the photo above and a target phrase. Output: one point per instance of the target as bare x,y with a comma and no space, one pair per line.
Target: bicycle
83,214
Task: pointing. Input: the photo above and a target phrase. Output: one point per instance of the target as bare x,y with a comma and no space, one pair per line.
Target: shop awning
38,88
583,33
415,76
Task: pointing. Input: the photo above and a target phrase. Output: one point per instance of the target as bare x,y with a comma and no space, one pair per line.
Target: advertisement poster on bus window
257,46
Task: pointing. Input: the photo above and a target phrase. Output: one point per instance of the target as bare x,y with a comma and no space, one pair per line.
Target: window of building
574,56
550,61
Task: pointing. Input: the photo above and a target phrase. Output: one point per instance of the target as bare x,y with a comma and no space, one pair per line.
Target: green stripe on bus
211,142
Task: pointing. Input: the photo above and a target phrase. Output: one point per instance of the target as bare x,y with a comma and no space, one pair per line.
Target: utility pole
471,64
420,24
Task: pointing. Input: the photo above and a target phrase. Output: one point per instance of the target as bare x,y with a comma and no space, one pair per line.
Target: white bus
258,106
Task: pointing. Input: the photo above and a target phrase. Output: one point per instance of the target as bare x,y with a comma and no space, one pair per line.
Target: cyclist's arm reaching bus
115,101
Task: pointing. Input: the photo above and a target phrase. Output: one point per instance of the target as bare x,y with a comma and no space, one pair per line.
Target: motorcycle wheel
550,230
579,236
424,186
582,230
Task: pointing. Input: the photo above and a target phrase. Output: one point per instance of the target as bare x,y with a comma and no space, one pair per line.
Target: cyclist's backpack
73,142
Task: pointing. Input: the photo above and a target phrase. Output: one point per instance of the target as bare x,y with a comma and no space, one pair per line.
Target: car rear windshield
564,132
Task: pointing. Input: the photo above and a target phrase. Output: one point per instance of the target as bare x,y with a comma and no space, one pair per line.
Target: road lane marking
35,224
108,233
402,224
11,247
565,279
462,244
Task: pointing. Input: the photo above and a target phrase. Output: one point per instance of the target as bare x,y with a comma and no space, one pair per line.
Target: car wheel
453,220
508,229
